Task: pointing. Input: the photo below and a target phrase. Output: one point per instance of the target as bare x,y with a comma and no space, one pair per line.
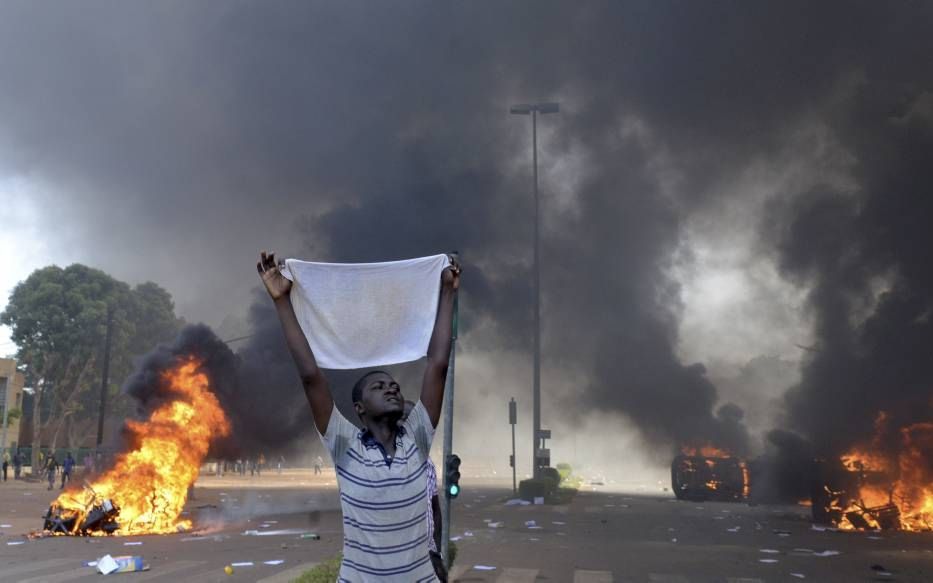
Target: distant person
17,465
68,467
280,463
50,466
381,468
318,463
6,463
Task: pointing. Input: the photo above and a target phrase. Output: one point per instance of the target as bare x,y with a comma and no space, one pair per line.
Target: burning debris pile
146,489
708,473
876,489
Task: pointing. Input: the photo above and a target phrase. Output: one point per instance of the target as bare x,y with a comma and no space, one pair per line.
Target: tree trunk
36,427
73,391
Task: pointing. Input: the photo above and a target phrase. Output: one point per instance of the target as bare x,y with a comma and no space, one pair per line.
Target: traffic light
452,475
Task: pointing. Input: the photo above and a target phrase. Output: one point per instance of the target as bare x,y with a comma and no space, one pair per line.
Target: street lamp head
521,109
550,107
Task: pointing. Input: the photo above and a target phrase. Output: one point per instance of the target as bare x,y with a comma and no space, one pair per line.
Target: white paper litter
484,568
106,565
539,500
16,542
734,529
798,575
495,524
455,538
517,502
90,564
275,562
243,564
769,551
468,533
6,525
767,560
558,522
132,544
530,523
826,554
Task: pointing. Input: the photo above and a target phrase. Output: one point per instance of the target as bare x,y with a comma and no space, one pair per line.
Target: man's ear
358,407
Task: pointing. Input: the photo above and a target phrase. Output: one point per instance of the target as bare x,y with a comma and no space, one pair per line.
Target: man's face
381,396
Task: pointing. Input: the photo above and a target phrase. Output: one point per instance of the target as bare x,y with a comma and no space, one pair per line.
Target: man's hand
450,277
275,282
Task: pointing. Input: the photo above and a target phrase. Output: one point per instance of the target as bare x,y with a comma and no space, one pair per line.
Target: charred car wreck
698,478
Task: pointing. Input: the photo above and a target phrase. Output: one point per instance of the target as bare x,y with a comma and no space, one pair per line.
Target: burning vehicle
878,489
708,473
145,490
100,517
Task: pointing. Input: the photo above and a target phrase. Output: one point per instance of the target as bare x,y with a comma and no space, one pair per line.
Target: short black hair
361,384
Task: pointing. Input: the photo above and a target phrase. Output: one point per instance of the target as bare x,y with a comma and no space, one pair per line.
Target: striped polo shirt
384,500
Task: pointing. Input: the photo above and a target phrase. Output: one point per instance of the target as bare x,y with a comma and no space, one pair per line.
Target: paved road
600,537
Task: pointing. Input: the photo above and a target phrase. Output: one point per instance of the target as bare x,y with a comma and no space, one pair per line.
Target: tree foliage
58,317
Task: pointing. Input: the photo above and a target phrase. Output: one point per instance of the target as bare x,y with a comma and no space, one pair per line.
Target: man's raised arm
312,379
435,373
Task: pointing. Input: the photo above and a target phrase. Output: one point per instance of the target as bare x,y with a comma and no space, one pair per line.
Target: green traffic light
454,490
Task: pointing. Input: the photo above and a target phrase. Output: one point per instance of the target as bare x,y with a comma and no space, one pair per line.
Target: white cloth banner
359,315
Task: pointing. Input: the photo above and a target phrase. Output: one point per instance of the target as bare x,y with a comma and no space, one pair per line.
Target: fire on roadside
882,490
146,489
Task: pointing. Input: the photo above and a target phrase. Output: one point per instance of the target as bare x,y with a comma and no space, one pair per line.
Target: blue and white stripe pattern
384,500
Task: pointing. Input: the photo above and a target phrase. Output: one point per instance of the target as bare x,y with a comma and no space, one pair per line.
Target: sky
726,186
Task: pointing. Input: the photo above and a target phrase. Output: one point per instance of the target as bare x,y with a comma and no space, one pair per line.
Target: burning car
877,488
145,490
709,475
99,518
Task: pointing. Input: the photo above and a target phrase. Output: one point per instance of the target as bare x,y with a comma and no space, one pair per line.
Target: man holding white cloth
380,469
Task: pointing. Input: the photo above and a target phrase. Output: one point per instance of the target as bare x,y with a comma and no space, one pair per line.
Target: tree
58,319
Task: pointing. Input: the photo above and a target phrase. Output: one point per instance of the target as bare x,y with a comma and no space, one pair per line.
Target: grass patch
326,572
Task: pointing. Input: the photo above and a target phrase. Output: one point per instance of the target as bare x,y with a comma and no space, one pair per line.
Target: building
11,396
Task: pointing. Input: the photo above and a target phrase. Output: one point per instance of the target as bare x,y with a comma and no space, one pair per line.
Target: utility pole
105,377
538,457
449,426
513,419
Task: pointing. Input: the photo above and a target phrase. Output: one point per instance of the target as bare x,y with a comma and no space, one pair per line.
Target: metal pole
105,378
536,387
514,484
449,430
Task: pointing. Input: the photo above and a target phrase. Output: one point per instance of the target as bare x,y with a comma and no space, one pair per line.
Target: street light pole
533,110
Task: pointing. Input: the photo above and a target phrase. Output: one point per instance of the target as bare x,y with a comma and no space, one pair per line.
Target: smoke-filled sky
725,184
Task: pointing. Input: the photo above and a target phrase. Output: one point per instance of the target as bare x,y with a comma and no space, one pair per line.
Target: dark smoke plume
263,400
180,131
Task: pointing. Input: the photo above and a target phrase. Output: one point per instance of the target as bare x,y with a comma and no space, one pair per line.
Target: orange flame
150,483
705,451
911,488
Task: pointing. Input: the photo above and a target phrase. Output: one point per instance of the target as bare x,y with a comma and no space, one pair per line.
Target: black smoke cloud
263,417
868,256
196,134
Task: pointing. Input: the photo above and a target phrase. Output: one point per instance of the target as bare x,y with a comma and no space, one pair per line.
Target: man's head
376,395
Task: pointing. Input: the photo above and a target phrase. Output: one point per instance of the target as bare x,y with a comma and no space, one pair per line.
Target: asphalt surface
603,535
